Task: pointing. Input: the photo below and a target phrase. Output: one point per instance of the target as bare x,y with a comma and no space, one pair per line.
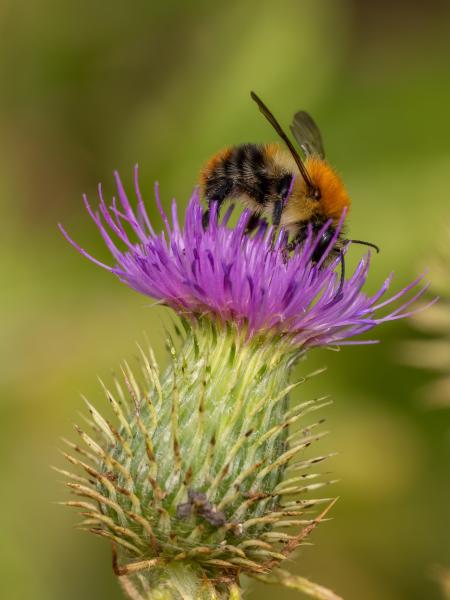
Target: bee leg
281,190
205,218
277,210
253,223
287,250
206,214
290,246
216,191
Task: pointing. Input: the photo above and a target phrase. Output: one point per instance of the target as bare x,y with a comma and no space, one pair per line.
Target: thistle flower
235,278
206,469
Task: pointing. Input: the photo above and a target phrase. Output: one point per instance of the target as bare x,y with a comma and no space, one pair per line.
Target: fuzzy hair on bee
277,185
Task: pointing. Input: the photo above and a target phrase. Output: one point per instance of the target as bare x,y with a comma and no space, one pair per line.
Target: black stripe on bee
241,156
262,188
254,180
228,167
257,158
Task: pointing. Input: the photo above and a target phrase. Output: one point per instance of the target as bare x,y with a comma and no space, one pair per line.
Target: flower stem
179,582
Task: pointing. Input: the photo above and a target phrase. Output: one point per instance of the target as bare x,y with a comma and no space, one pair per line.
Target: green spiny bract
203,472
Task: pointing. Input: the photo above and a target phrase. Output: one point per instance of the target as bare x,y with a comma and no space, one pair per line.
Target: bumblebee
277,185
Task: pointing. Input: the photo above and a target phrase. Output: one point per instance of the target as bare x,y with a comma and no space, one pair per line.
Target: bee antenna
269,116
342,279
339,295
374,246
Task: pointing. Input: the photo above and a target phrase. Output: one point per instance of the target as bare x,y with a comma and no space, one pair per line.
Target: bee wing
307,134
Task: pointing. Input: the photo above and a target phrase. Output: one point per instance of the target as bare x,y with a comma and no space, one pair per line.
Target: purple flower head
232,276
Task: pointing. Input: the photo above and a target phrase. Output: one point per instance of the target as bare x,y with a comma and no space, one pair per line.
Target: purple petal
240,278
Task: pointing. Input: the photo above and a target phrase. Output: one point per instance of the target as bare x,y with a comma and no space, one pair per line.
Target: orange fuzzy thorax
334,196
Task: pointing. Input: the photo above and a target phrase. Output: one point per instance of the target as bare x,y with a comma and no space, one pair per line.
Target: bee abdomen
246,170
239,170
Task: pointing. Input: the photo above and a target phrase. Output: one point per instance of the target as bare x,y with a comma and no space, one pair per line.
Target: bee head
322,245
330,245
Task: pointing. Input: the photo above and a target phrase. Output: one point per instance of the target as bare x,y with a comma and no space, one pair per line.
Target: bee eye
326,237
322,245
314,193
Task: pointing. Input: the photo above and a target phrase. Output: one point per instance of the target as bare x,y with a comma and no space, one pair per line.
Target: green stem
178,582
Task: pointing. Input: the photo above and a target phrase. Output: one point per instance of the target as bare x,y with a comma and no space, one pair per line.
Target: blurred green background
92,86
